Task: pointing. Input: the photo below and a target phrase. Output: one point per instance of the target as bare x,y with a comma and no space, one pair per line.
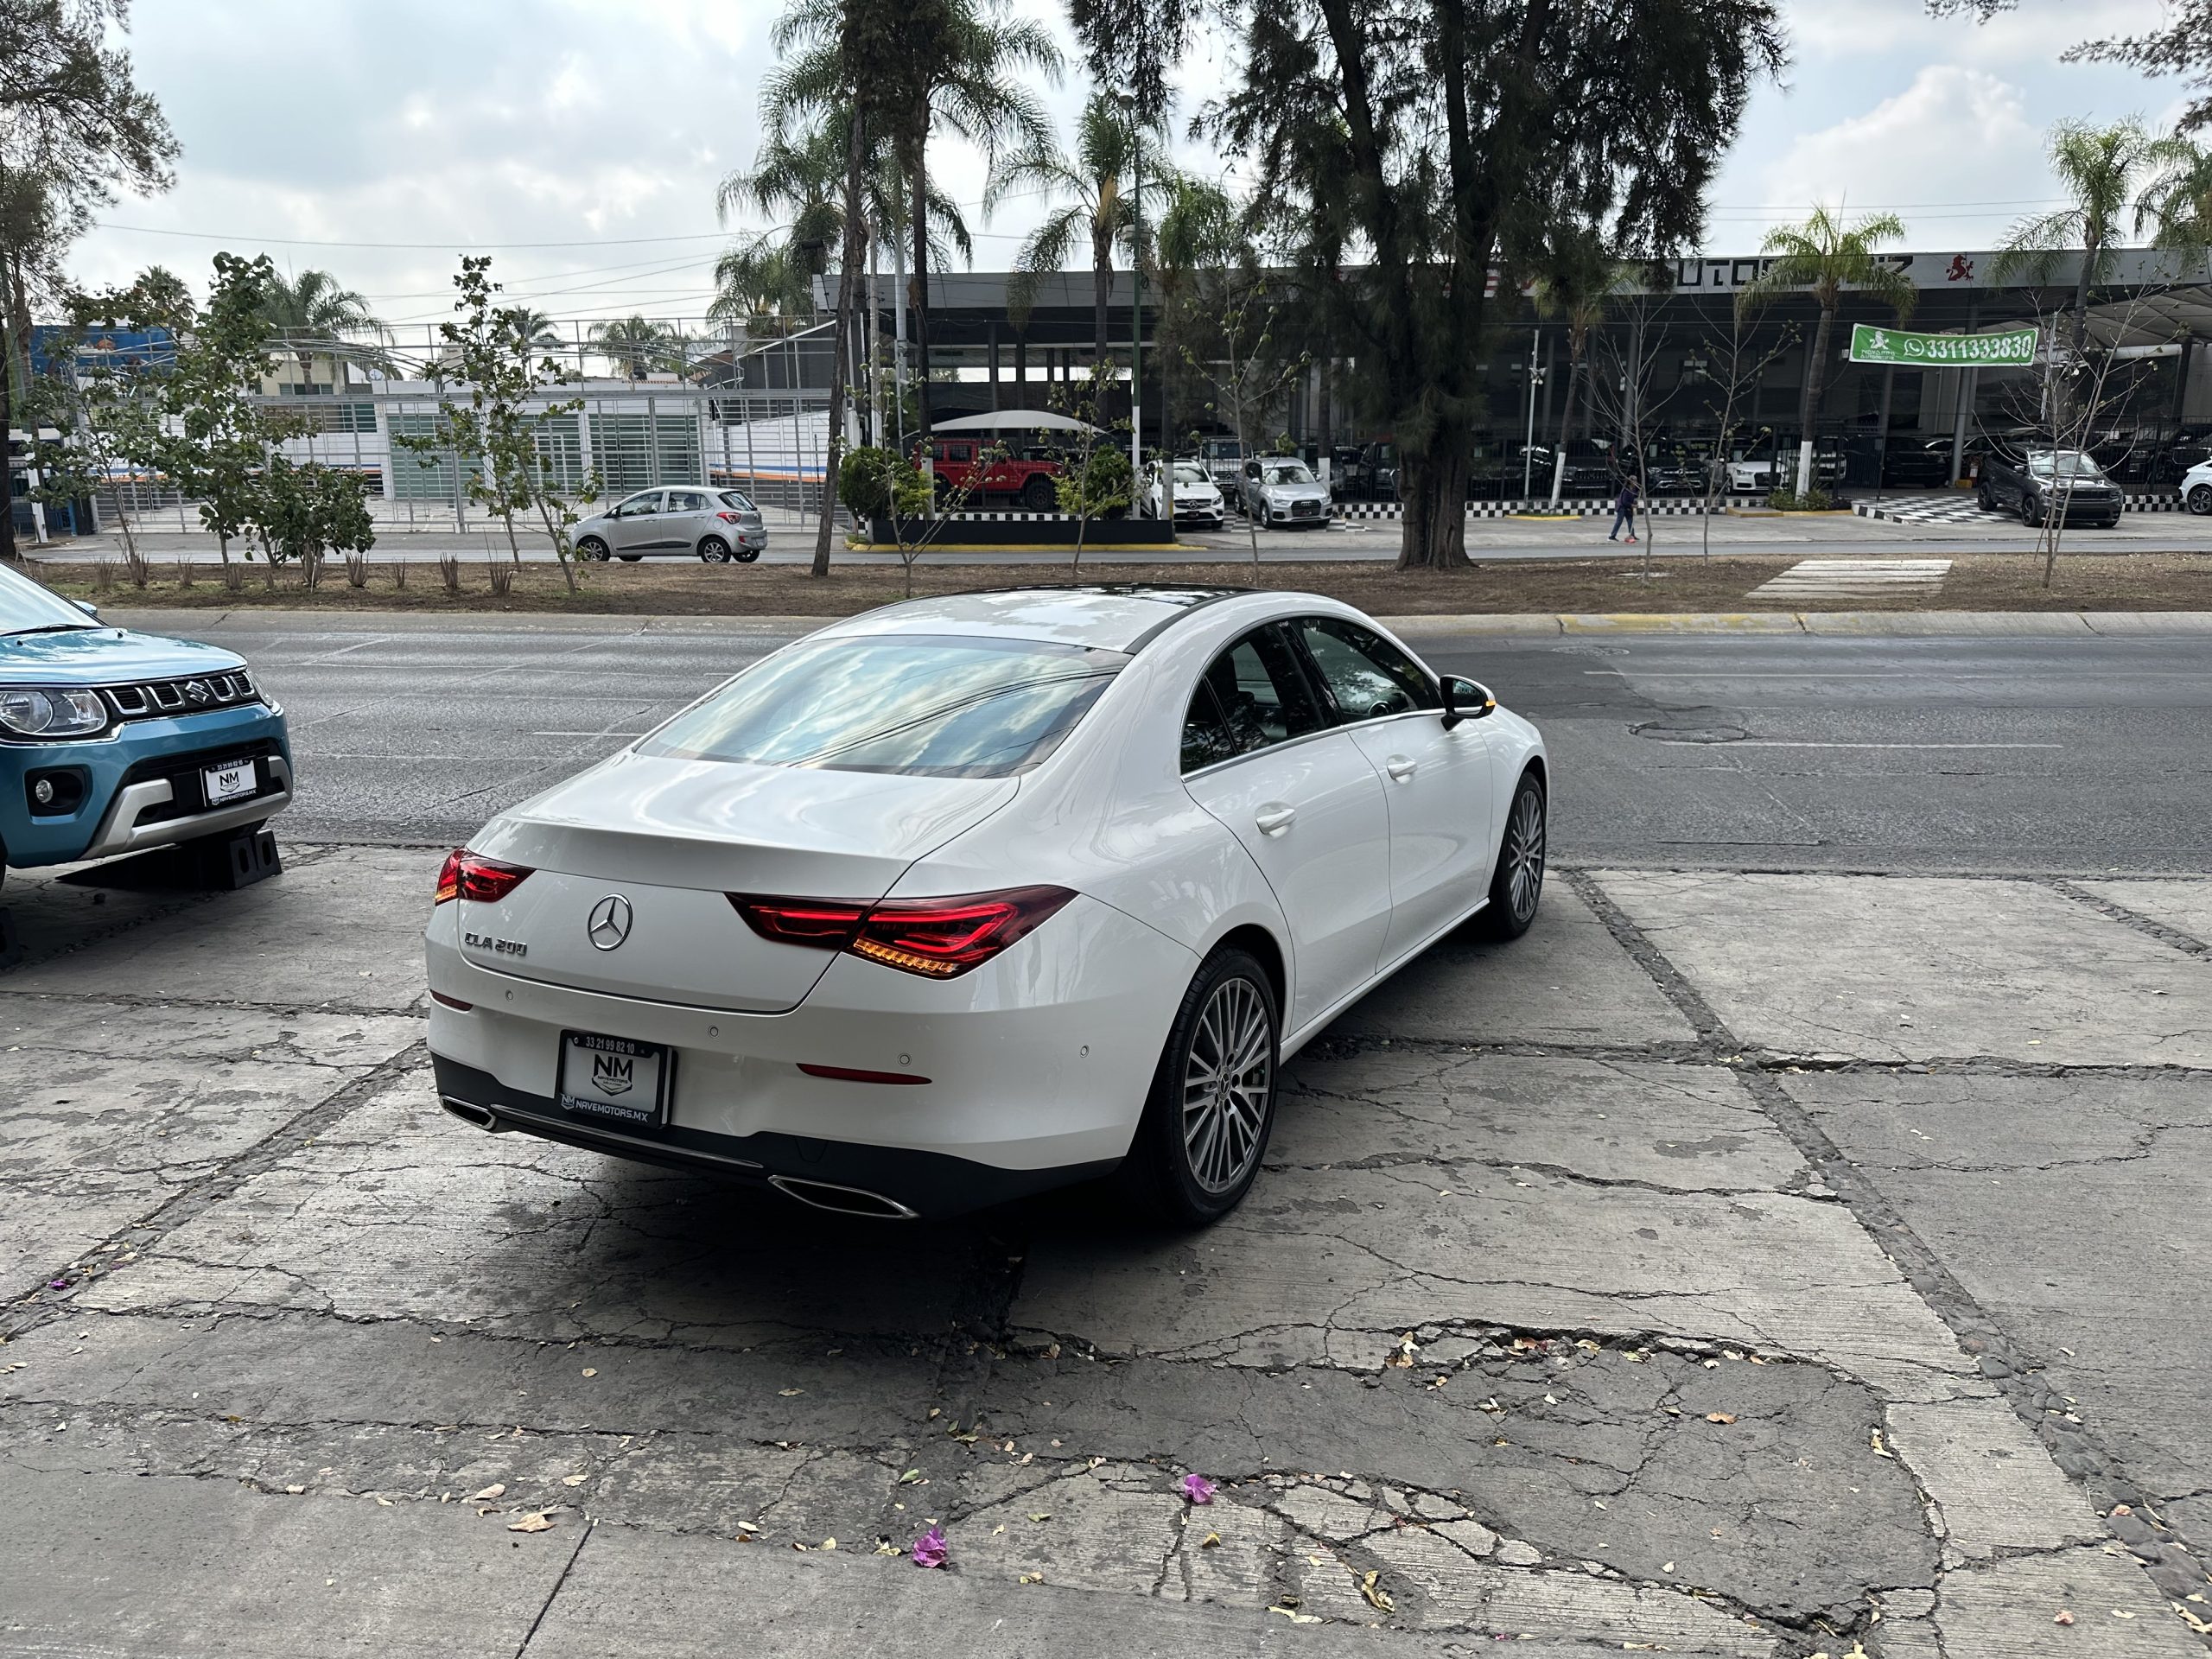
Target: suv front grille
195,696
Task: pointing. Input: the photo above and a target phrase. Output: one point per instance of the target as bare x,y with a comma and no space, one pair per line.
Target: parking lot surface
1740,1264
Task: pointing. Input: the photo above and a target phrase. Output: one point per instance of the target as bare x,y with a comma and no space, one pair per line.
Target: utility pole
1136,304
1529,445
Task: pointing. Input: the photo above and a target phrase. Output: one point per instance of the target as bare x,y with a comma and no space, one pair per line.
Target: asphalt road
1749,751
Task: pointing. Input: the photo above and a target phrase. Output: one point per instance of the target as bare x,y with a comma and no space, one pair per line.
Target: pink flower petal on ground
929,1548
1197,1488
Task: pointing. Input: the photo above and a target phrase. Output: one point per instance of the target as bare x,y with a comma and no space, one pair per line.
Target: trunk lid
667,839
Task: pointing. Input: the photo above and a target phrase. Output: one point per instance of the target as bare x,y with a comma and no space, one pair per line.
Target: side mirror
1465,700
87,608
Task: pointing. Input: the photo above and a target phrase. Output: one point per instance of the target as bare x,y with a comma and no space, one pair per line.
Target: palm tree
760,281
2177,203
1110,157
637,345
1579,275
801,177
963,69
314,315
2099,168
1827,254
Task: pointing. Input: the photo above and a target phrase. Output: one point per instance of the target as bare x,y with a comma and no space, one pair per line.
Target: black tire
2030,512
629,558
1981,499
592,548
1169,1178
713,550
2200,499
746,555
1037,495
1516,885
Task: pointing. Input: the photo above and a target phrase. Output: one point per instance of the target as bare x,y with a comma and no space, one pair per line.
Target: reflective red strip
849,1074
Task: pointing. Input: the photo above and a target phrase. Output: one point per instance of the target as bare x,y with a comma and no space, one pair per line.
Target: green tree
75,129
1404,148
308,511
1096,479
1576,277
638,345
312,314
1826,254
1094,184
118,393
2175,204
505,429
221,430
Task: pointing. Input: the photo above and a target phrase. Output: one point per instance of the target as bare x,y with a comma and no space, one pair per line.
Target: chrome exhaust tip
844,1200
468,1112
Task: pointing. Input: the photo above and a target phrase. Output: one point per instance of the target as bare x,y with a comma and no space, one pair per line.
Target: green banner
2009,347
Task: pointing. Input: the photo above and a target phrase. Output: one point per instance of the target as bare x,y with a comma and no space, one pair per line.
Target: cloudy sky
579,141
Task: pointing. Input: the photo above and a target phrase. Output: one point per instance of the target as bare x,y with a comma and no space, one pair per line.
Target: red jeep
978,471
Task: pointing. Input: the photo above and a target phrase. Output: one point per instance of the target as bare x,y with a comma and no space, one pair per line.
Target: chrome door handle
1274,817
1401,767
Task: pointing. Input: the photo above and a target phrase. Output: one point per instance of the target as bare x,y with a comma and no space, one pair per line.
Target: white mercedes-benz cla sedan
971,897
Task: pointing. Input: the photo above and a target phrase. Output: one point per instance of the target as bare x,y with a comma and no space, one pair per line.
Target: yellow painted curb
1693,622
1025,547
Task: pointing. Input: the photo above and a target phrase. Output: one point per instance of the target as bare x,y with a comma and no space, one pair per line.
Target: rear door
1437,784
1260,755
689,515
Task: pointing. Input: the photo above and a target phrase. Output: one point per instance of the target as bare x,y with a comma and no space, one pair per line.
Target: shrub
1813,500
864,478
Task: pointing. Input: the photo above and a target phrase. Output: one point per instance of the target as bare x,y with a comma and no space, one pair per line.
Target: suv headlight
56,712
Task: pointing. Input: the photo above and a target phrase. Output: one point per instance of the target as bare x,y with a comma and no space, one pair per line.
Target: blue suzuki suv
113,742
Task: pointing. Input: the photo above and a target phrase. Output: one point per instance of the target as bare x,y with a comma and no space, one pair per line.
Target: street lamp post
1528,444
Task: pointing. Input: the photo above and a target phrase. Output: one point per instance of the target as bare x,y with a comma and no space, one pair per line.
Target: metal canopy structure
1014,420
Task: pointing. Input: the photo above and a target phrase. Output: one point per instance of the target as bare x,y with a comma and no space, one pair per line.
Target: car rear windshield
926,705
732,499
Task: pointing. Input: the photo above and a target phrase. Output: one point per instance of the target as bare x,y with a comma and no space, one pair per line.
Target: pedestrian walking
1625,511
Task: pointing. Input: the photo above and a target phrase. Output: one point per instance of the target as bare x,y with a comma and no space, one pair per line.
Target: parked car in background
1342,458
1916,463
1372,474
983,473
1282,490
975,896
716,526
2197,488
113,742
2045,481
1197,500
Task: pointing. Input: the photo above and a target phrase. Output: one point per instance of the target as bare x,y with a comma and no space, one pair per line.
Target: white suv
2197,487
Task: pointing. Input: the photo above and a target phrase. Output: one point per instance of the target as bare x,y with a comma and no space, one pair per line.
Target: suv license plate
616,1079
232,780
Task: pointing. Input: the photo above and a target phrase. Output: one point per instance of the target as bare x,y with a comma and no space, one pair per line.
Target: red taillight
481,880
730,518
937,938
800,921
451,1002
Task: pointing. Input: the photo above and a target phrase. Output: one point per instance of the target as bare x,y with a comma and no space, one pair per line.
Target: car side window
1206,731
638,505
1367,677
1260,693
686,501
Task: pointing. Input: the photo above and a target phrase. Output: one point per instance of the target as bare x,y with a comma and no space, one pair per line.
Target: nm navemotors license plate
615,1078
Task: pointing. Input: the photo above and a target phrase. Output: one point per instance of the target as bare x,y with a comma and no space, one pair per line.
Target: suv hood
99,656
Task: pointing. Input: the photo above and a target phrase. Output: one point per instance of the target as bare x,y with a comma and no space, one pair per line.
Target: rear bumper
889,1182
1038,1064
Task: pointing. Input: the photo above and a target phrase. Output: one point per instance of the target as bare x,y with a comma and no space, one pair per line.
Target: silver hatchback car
717,525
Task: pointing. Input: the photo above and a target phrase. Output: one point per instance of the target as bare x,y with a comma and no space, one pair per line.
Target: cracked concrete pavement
1740,1265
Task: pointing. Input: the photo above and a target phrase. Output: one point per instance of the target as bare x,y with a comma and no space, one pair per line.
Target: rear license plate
232,780
615,1078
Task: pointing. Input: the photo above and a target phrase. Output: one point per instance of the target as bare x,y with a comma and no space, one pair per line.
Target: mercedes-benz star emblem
610,922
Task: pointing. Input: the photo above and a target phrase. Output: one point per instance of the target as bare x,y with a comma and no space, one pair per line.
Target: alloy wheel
1228,1078
714,550
1524,854
2200,499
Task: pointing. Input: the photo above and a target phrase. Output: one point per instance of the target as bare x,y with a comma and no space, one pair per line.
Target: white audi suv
971,897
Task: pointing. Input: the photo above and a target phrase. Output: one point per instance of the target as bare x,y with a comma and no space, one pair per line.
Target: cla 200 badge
501,947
